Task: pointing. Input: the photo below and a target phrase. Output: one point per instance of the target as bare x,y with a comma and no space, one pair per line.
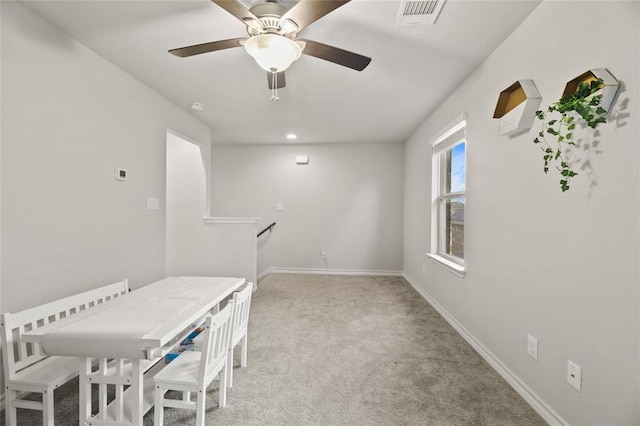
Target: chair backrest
241,305
217,333
18,354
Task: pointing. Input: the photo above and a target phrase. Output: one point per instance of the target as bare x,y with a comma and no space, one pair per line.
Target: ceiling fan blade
238,10
306,12
212,46
280,80
337,56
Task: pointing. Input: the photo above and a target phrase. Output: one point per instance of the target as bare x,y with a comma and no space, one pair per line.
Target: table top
135,325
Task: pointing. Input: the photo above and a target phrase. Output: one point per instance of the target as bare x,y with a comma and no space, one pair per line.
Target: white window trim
445,139
450,265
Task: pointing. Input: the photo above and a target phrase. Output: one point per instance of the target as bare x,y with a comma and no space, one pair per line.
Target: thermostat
121,174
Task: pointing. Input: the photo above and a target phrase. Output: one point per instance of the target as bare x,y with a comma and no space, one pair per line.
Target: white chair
193,371
240,321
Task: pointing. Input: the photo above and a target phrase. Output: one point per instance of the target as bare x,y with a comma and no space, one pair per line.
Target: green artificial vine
586,104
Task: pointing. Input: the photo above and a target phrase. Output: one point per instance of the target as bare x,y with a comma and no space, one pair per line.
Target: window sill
448,264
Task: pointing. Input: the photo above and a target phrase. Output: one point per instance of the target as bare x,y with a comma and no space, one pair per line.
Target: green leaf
569,135
549,150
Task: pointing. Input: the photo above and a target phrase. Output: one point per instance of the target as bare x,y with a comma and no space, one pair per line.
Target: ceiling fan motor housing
269,15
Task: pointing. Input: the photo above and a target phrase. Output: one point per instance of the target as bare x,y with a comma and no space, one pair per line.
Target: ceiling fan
273,37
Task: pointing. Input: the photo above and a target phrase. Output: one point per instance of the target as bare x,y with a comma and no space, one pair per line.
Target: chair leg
222,398
158,409
229,368
243,353
11,412
47,408
201,400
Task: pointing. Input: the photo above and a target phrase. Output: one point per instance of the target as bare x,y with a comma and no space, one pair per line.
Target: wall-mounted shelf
516,107
609,85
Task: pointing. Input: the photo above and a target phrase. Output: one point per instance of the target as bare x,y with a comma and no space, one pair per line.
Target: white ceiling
413,68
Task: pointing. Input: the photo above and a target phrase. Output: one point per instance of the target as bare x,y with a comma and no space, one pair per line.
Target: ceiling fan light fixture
273,52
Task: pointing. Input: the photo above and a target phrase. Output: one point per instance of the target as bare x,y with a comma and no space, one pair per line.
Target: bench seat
52,371
27,368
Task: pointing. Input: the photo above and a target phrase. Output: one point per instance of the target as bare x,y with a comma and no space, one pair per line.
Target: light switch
279,207
153,203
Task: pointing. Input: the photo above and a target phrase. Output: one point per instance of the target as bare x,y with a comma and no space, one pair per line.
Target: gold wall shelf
609,85
516,107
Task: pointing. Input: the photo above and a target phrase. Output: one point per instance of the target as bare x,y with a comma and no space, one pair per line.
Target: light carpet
347,350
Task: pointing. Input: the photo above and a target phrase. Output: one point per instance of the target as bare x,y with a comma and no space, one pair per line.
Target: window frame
446,140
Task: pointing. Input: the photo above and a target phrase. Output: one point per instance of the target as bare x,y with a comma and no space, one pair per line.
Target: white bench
27,369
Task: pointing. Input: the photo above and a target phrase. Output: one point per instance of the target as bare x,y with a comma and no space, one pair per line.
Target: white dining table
119,340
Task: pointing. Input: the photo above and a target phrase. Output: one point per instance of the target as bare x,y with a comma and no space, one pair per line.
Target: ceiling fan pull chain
274,85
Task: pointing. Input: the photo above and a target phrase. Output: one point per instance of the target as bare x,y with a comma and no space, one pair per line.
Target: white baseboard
264,274
275,270
541,407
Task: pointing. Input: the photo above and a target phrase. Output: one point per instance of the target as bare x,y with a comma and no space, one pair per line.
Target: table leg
137,390
84,391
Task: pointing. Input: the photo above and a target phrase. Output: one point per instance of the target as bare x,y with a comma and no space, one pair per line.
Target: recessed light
197,106
292,136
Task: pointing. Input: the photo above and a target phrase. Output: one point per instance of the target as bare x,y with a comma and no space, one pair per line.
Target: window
448,196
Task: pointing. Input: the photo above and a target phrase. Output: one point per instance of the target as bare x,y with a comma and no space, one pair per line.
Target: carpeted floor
347,350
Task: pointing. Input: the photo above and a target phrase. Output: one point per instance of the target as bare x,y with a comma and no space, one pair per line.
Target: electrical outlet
574,375
532,347
323,254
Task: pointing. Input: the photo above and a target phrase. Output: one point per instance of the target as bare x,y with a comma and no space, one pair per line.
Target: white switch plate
532,347
574,375
279,207
153,203
323,254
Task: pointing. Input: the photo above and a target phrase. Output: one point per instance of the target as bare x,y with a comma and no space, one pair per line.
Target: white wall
2,369
69,119
346,201
562,267
196,247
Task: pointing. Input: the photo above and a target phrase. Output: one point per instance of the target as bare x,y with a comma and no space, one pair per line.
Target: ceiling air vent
419,12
